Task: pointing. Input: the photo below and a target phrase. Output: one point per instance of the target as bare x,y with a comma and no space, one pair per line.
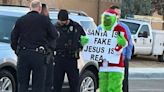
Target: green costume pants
110,81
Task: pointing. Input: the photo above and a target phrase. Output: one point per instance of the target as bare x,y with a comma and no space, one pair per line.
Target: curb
146,73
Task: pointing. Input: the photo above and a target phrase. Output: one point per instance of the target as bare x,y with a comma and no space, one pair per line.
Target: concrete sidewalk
146,73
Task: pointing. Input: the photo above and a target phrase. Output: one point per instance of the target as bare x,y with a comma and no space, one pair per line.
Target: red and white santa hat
111,12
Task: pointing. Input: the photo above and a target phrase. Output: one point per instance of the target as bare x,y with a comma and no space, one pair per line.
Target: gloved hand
121,41
84,40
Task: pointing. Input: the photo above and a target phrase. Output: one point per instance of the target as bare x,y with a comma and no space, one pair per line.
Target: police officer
67,52
30,40
50,68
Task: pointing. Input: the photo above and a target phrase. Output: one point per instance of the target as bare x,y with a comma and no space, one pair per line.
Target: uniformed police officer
30,40
50,68
67,52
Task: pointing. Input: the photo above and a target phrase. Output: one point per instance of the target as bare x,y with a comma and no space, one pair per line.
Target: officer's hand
121,41
84,40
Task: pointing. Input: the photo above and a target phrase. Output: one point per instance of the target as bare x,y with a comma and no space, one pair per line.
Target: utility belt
39,49
66,53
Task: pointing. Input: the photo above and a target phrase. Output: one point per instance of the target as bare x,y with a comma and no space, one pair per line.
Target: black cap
63,15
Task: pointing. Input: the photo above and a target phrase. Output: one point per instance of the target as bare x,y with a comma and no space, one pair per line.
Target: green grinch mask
108,21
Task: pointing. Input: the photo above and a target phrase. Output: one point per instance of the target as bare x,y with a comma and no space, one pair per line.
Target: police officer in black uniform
30,39
67,52
50,68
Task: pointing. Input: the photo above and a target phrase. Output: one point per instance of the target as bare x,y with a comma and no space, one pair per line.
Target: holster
75,54
49,56
17,50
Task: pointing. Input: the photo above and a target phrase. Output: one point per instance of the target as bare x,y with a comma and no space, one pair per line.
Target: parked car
146,41
8,59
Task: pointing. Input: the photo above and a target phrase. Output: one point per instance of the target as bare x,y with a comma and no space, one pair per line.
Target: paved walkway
146,73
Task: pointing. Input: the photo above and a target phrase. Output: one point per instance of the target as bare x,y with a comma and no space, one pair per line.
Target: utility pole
20,2
98,11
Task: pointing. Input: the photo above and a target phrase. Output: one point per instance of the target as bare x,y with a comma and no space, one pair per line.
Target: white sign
101,46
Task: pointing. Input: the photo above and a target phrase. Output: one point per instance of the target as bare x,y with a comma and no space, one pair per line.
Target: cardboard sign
101,46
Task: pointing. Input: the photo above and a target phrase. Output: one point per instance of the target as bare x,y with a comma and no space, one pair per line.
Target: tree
158,5
127,8
136,7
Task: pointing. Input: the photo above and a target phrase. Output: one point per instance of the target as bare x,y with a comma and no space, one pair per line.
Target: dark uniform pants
49,77
31,61
125,81
68,66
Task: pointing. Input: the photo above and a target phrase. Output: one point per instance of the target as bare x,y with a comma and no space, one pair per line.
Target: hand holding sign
121,41
101,45
84,40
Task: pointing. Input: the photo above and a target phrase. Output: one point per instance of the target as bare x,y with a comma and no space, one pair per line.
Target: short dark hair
114,7
63,15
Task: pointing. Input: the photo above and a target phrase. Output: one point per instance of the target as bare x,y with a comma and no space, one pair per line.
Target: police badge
71,28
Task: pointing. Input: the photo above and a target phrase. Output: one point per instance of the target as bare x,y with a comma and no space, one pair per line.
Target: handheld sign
101,46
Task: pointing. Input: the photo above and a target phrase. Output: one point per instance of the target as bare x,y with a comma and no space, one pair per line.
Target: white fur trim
111,69
119,52
126,44
111,14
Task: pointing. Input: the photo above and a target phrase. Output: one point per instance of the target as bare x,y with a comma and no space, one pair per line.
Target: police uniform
30,39
67,53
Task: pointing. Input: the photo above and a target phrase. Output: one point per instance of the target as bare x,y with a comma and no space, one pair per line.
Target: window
143,29
88,25
132,26
6,25
53,21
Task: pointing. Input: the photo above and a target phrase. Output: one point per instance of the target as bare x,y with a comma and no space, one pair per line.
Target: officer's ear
40,9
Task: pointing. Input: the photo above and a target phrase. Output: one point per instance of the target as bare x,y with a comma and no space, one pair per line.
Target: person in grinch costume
111,74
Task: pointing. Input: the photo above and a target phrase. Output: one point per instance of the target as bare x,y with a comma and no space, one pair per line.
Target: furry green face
108,21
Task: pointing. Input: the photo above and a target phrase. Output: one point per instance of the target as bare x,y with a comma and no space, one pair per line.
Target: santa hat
111,11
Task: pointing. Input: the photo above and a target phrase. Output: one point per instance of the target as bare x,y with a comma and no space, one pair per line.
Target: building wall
93,8
157,25
88,6
6,1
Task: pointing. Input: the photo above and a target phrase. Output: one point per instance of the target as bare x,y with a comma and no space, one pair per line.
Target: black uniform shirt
69,36
32,30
